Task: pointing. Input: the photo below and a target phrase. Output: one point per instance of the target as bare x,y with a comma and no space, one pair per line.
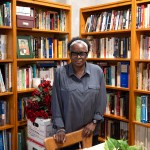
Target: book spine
144,109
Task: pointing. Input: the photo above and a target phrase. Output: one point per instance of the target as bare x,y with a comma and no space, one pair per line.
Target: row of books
144,46
4,112
42,47
143,76
114,129
26,75
142,108
142,136
22,103
5,140
50,20
22,138
5,77
49,47
109,20
5,14
44,70
118,103
116,74
143,16
3,46
45,19
109,47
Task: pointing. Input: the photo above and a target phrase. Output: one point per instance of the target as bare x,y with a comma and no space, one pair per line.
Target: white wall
76,5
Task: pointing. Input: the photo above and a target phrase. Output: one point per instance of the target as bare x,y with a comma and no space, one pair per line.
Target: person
78,94
24,49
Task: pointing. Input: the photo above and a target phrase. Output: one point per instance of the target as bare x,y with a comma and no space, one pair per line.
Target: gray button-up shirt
76,102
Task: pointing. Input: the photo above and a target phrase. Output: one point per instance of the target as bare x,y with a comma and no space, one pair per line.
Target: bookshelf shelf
26,90
117,88
116,117
6,61
141,1
46,3
6,93
142,124
142,60
142,30
22,123
142,91
101,139
107,32
5,27
107,6
108,59
5,127
42,59
43,31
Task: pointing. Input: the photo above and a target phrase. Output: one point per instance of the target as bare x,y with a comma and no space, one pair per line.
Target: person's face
22,44
78,54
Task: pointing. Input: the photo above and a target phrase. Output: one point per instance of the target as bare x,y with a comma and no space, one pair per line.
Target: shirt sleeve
102,99
56,104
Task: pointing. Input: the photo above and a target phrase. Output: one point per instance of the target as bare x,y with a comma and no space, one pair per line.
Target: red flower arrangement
39,105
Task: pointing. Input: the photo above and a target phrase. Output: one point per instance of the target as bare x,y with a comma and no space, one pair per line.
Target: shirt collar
71,72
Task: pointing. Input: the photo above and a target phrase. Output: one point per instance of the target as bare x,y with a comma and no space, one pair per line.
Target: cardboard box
35,136
33,145
25,21
42,127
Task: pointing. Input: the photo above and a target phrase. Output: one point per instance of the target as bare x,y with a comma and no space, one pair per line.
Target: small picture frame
24,48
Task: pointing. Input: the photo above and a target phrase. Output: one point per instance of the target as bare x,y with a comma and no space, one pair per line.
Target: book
50,41
2,85
5,142
1,141
144,108
2,112
124,74
138,108
148,109
3,47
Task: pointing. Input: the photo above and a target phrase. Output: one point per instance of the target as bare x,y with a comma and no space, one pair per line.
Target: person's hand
88,129
60,136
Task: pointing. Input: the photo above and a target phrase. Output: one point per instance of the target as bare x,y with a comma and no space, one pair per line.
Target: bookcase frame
12,33
87,11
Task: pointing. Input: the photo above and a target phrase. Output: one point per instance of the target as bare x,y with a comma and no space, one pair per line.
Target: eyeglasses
81,54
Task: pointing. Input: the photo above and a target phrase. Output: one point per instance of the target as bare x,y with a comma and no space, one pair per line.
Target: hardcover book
124,75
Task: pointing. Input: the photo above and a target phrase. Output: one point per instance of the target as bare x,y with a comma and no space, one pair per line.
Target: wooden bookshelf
8,96
43,5
97,10
138,28
12,31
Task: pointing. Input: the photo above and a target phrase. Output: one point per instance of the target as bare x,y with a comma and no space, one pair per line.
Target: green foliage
113,144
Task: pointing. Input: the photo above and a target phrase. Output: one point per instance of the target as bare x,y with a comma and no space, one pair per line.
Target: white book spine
3,89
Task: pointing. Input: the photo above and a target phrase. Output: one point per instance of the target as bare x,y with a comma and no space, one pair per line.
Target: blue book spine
144,109
50,41
19,109
34,70
7,13
124,75
1,141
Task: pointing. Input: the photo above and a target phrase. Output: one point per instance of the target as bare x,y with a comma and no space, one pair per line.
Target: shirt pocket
93,91
68,89
68,94
94,87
